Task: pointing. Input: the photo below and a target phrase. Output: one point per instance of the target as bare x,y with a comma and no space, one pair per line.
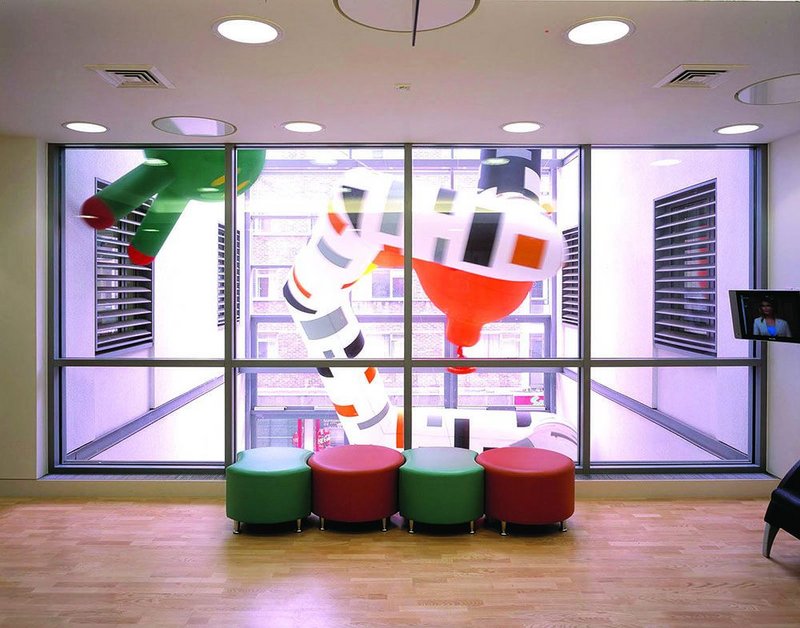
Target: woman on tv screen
768,324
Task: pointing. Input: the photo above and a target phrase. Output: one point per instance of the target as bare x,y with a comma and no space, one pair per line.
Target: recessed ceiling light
302,127
521,127
246,30
194,126
780,90
737,129
85,127
600,30
665,162
152,161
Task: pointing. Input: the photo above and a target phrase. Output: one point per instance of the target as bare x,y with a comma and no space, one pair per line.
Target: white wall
567,216
98,400
783,417
23,286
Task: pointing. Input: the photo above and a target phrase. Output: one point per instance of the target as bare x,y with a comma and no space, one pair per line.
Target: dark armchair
784,509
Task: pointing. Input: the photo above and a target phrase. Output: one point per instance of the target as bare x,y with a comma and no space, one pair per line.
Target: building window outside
685,288
124,292
570,280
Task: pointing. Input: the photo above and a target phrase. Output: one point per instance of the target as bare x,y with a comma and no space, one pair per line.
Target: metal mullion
584,308
759,173
408,295
230,305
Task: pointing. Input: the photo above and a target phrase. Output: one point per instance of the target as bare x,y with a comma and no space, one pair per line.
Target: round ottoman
355,483
528,486
441,485
268,485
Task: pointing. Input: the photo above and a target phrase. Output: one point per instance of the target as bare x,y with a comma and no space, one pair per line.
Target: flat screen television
772,315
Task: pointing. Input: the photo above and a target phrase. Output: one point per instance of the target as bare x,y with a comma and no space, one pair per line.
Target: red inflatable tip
461,370
137,257
96,213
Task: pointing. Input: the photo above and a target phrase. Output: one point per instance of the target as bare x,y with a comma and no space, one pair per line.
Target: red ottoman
528,486
355,483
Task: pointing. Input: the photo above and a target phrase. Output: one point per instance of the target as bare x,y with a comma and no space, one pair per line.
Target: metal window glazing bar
230,305
584,307
408,298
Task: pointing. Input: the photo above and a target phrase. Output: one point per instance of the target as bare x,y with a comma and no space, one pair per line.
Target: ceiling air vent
141,76
697,75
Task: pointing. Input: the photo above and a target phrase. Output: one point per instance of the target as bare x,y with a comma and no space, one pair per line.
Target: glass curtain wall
402,296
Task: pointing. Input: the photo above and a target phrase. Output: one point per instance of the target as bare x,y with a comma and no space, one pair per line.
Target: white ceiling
507,61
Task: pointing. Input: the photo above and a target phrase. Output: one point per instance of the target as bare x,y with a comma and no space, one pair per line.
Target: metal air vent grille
132,76
698,76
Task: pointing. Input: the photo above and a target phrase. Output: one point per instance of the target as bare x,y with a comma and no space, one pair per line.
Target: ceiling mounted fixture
84,127
599,30
406,17
194,126
245,29
299,126
132,76
697,75
780,90
737,129
521,127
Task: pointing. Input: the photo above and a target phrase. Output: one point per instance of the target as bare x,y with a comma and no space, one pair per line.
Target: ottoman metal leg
237,527
322,523
503,529
411,526
383,524
472,527
563,526
299,528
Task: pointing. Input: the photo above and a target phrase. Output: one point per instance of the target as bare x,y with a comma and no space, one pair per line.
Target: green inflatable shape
174,176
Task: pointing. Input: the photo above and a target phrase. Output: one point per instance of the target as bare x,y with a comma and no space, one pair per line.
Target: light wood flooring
170,563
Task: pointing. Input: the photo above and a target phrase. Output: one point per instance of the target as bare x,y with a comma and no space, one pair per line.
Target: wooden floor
148,563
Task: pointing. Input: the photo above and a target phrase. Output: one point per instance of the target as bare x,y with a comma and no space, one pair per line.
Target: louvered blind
569,278
685,313
123,290
221,275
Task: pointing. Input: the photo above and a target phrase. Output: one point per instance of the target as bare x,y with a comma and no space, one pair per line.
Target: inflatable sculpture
476,254
174,176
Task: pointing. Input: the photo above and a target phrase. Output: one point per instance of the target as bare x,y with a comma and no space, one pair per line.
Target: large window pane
320,408
133,415
500,407
488,249
663,415
319,253
140,251
670,237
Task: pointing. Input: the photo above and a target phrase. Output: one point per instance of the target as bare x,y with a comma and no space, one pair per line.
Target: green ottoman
268,485
441,485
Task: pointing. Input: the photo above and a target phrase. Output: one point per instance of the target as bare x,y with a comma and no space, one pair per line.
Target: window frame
583,363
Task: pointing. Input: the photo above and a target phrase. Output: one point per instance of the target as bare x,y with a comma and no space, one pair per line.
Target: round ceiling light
600,30
521,127
194,126
737,129
398,17
299,126
780,90
246,30
85,127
